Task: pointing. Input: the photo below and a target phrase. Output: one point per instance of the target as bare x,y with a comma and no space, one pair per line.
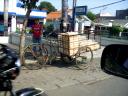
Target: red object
37,30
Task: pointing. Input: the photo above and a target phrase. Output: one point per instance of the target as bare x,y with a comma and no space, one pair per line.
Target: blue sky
94,3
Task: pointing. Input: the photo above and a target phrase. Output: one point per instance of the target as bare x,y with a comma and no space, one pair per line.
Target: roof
115,21
57,14
120,22
54,15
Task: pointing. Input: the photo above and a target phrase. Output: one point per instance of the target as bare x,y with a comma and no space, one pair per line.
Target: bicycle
82,57
81,54
51,43
35,59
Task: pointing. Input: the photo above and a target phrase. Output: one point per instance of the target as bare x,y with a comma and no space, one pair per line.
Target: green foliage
91,16
28,30
125,30
47,5
49,28
29,4
50,31
17,30
114,30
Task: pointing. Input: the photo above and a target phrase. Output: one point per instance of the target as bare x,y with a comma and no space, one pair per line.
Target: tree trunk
22,36
73,14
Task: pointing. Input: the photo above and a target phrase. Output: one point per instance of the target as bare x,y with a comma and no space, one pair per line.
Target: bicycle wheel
84,55
53,54
42,55
31,61
52,50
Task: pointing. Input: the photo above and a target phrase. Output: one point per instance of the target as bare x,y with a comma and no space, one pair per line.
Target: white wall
20,11
2,5
12,5
4,39
13,24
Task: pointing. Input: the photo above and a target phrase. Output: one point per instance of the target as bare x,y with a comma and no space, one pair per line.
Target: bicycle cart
71,48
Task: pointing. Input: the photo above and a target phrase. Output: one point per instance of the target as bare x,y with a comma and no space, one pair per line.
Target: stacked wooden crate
90,43
68,43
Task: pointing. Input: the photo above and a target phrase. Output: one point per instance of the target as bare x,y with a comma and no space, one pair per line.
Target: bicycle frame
35,55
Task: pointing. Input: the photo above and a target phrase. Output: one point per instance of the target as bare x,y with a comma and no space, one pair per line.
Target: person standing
37,32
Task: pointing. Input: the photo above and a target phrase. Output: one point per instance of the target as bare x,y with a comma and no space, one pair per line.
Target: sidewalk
54,77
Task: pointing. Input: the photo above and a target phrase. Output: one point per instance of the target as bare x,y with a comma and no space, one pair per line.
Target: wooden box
69,43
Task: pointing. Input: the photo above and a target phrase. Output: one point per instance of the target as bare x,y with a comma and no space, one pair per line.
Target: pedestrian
37,32
61,26
69,29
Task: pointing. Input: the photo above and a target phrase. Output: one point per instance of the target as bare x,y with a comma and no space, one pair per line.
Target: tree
115,30
91,16
28,5
47,5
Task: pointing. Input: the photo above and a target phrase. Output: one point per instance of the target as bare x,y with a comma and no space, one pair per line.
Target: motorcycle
9,69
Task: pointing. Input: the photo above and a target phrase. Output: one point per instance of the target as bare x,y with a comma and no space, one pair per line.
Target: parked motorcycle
9,69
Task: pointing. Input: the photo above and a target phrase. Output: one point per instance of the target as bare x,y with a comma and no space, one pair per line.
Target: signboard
80,10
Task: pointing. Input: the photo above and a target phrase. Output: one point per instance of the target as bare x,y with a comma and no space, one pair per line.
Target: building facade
16,15
122,14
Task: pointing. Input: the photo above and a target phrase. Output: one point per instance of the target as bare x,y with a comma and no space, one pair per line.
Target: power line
107,4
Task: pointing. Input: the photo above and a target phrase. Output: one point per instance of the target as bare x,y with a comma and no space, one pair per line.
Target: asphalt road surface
114,86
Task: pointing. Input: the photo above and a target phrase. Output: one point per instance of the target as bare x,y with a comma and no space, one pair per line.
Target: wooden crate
69,52
69,43
94,46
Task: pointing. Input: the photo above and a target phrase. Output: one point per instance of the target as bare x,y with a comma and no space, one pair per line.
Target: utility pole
6,17
73,14
64,20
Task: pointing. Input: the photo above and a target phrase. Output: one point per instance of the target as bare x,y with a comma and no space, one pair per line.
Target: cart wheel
84,56
52,54
35,60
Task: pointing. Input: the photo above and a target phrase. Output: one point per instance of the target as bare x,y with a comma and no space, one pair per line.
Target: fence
104,39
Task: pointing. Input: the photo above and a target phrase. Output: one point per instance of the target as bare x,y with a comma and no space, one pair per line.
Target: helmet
9,63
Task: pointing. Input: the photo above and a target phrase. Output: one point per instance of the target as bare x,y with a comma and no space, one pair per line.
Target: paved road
110,87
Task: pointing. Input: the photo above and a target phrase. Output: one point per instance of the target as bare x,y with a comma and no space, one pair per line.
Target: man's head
36,21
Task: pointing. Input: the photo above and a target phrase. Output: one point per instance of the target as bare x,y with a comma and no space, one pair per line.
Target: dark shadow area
70,65
60,64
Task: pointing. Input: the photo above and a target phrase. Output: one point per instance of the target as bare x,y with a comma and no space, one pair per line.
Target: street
113,86
64,81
